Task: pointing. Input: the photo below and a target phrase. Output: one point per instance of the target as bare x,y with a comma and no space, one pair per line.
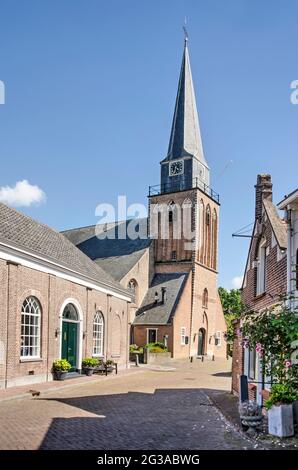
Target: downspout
48,336
7,317
107,326
289,255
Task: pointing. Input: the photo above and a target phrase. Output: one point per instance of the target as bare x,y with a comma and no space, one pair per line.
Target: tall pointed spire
185,137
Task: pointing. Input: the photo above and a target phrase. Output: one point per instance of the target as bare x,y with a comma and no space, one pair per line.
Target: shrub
281,394
158,350
156,347
90,362
61,365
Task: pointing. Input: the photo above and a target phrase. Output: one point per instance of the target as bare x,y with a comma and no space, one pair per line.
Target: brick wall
276,273
19,282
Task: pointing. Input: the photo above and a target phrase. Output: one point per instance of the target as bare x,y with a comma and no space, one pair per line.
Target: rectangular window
152,336
174,256
252,364
261,271
218,338
183,335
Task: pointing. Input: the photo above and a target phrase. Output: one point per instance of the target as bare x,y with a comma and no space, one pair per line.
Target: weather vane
185,31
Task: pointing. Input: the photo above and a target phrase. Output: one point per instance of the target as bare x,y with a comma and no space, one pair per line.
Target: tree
232,308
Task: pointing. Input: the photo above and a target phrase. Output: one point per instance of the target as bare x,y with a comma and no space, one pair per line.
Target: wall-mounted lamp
57,332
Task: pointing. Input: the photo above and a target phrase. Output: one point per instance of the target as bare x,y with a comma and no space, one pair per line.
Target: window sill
260,296
31,359
115,355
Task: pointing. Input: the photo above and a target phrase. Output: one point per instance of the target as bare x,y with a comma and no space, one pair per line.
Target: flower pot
295,411
280,421
88,371
60,375
251,422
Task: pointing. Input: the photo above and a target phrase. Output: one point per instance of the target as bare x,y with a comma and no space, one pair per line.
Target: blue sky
90,91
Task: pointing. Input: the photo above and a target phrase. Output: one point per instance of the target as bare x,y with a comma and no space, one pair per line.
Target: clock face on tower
176,168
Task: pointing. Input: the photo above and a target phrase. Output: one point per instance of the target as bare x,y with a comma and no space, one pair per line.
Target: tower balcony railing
183,186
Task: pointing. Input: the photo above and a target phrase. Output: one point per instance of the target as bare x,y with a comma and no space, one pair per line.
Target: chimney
263,191
163,295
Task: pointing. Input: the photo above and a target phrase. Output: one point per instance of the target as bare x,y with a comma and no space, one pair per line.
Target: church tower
183,218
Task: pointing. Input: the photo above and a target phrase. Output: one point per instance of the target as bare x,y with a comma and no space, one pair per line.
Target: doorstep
20,392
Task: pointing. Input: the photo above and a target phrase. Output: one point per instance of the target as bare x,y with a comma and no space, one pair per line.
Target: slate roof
185,137
278,225
22,231
152,313
109,247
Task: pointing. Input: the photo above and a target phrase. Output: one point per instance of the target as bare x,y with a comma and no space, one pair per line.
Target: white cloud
22,194
237,282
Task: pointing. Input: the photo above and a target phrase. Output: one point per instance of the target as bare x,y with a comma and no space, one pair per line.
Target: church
83,293
171,268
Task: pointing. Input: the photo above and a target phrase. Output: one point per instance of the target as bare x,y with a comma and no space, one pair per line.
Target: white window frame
98,335
33,313
218,337
183,335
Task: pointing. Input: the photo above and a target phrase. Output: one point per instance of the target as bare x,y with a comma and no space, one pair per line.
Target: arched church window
98,334
133,288
30,328
205,298
214,240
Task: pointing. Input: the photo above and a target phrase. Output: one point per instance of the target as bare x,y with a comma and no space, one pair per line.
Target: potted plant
280,409
60,369
250,415
89,364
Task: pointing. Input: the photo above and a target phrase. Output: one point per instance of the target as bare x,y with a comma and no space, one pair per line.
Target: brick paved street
146,409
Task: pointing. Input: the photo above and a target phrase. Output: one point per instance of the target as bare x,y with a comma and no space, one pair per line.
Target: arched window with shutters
30,328
98,334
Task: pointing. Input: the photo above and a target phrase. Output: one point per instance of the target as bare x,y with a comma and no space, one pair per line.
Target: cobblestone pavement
150,409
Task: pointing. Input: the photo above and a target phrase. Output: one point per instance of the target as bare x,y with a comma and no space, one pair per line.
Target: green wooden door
201,342
69,343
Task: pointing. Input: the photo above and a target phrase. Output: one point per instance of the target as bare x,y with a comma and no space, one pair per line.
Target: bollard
137,360
191,358
213,358
202,358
